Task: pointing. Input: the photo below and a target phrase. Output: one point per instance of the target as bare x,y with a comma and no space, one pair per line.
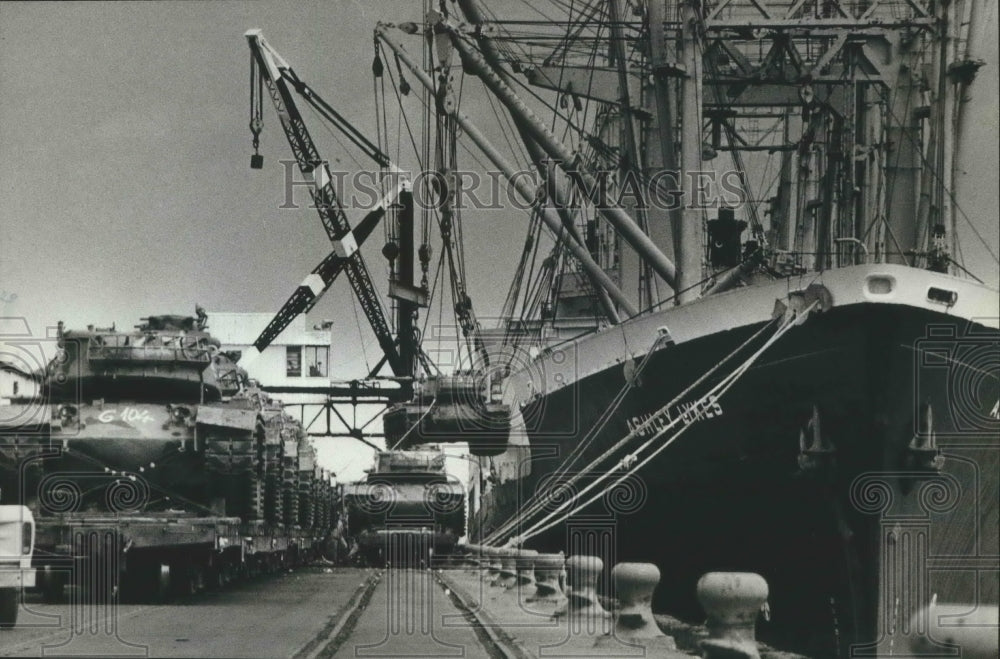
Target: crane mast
279,78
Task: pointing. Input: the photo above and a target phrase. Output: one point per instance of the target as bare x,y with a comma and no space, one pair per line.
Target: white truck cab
17,543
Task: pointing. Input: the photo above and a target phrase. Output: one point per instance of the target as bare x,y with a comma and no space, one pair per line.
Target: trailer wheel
9,600
163,582
217,577
52,585
195,580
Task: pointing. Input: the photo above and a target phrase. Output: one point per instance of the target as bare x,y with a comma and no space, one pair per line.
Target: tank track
306,483
268,474
307,501
232,458
290,485
273,500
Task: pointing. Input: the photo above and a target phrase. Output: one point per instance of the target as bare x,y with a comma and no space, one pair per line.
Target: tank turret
165,356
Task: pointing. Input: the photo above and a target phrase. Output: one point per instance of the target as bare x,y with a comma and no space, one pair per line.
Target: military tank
407,508
158,418
463,407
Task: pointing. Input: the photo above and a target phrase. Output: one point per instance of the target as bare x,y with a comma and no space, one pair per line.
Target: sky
125,187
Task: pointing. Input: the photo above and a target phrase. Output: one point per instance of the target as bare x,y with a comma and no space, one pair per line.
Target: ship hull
735,490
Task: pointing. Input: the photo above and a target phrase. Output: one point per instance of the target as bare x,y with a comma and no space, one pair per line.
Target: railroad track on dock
393,609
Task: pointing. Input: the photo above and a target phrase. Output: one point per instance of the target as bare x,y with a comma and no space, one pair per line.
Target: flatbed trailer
161,555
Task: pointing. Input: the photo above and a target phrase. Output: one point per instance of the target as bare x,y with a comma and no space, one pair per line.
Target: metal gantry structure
281,80
327,417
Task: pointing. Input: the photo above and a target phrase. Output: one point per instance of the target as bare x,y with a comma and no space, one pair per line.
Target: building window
317,358
293,361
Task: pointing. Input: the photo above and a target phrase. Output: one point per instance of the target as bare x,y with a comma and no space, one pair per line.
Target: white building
298,357
16,383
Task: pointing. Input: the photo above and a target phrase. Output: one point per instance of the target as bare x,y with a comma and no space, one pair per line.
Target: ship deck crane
271,70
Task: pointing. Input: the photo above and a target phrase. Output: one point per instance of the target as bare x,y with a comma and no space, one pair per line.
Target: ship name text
704,408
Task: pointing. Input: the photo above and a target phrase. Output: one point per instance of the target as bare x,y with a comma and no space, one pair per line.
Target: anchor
923,453
815,453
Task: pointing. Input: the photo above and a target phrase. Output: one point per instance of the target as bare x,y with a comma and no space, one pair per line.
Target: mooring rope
629,462
536,502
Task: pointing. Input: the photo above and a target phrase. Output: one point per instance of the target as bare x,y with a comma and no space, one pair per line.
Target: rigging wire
406,121
331,133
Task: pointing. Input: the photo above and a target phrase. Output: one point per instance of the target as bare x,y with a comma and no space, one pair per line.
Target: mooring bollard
581,578
548,568
525,562
491,555
634,622
508,568
634,585
732,602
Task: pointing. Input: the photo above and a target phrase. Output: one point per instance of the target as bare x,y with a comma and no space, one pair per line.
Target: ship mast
689,233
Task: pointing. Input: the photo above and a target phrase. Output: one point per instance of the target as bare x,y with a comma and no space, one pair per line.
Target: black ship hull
854,533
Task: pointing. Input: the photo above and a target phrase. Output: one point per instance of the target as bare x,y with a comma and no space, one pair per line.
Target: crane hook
256,114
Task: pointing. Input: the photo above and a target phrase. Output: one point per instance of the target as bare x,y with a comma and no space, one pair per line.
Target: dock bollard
525,562
548,568
634,585
508,568
732,602
492,557
472,557
581,580
634,622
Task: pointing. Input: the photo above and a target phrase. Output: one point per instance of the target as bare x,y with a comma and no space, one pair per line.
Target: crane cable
415,424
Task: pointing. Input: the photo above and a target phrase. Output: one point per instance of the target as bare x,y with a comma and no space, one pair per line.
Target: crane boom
311,289
277,76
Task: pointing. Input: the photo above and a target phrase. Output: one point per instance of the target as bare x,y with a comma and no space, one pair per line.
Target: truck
17,543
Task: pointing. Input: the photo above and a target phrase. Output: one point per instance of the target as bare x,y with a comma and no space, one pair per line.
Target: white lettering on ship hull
707,408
